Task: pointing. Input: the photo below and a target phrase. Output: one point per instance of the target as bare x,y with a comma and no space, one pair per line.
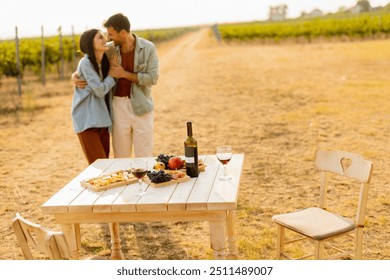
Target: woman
90,108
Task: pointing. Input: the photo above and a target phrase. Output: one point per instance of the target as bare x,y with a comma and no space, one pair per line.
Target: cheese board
175,177
109,181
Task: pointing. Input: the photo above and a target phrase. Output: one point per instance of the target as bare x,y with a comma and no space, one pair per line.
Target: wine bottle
191,153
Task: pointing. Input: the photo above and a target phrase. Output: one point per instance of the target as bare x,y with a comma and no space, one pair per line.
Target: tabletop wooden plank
104,202
156,199
224,194
178,200
128,199
59,202
200,193
86,200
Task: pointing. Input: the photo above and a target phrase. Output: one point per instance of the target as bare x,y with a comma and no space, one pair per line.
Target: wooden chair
51,243
322,226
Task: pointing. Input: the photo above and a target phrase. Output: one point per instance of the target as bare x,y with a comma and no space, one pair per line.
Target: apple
175,163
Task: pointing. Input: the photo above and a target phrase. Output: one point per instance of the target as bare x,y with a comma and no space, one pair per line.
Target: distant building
278,13
312,14
315,13
360,7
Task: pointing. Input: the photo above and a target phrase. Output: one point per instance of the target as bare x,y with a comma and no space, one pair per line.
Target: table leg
217,239
72,235
116,249
231,236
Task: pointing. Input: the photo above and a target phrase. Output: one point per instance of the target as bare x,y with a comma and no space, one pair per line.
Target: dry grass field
275,103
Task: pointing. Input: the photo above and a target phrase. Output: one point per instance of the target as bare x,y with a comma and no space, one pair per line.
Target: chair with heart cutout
321,226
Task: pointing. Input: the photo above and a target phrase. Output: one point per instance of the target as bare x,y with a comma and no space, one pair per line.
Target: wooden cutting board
173,181
109,181
201,166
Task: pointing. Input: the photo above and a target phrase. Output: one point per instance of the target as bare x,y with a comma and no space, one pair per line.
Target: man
134,64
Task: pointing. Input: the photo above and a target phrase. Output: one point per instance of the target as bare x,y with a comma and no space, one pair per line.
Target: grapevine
360,26
30,50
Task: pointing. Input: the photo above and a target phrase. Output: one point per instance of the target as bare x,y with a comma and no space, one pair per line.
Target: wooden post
217,34
43,80
74,61
19,72
61,72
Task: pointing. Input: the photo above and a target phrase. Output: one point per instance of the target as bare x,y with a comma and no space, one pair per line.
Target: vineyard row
365,25
55,51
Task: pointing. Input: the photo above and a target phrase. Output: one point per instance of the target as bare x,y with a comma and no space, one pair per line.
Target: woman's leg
92,145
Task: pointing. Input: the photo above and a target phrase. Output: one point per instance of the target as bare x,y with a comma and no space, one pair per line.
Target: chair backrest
345,164
53,244
348,165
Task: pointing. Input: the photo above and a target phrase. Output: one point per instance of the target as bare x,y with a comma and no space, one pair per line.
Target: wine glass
224,154
139,168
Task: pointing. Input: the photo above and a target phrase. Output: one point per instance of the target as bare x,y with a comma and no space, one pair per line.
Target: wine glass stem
224,171
139,185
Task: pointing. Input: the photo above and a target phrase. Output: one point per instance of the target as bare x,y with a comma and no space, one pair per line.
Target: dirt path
275,103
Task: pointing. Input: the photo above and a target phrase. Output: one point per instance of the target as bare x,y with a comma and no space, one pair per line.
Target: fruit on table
175,163
159,176
159,165
176,174
164,159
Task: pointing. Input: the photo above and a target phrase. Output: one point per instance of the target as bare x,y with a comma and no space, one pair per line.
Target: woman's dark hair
118,22
86,46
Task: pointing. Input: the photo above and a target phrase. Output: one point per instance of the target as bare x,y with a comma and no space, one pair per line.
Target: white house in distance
360,7
313,14
278,13
316,13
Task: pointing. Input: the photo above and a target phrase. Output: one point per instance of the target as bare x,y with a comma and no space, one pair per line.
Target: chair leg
280,242
358,243
319,250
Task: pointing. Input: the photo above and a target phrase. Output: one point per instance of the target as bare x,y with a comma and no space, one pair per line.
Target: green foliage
30,50
160,35
8,59
360,26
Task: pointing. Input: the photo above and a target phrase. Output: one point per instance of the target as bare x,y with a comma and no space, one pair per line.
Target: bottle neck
189,129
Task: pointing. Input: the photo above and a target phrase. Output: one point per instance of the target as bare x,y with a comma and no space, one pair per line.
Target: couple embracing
113,92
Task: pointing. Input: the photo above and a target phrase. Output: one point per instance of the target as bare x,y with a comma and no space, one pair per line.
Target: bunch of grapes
159,176
164,159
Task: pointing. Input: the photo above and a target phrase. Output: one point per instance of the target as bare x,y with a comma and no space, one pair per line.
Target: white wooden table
205,198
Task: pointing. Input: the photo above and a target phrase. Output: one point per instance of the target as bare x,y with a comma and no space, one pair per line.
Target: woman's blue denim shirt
89,108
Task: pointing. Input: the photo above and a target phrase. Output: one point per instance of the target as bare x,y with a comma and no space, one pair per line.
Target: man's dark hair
118,22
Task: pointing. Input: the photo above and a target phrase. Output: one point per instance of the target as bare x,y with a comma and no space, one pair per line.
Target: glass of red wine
139,168
224,154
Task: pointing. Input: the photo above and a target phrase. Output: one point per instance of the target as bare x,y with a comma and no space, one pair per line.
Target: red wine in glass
139,168
224,154
224,161
139,173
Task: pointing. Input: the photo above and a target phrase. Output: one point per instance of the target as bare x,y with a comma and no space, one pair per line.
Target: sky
30,15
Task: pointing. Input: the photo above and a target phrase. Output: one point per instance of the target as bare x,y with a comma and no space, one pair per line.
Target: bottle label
191,155
189,160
